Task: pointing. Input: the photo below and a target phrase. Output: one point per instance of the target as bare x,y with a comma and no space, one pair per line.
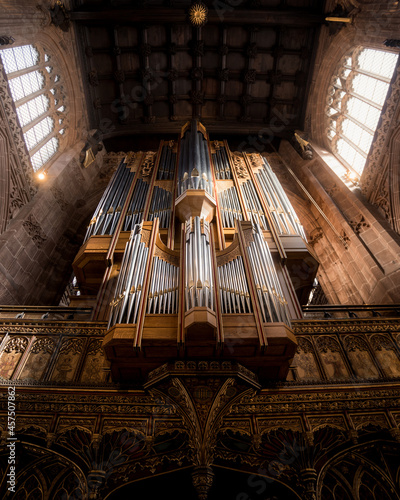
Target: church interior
200,249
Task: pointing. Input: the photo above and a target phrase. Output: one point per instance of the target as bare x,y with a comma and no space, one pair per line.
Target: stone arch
394,180
47,466
359,457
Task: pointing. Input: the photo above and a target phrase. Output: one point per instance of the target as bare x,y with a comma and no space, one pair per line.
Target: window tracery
36,88
355,100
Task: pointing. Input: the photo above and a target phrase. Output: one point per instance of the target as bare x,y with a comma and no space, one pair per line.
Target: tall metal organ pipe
108,210
280,207
194,168
199,285
273,305
128,291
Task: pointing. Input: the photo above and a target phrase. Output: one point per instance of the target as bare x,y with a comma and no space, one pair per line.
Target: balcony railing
364,311
54,313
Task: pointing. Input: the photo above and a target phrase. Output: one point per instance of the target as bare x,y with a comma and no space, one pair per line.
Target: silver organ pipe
108,211
163,293
161,206
194,168
136,206
222,167
234,291
279,205
199,287
254,209
129,286
229,207
272,302
166,167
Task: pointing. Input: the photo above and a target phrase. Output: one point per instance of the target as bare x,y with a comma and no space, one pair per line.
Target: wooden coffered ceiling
148,70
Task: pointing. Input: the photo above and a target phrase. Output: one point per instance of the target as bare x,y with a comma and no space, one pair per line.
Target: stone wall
357,249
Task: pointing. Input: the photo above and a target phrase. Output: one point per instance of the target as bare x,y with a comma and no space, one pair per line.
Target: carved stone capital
395,433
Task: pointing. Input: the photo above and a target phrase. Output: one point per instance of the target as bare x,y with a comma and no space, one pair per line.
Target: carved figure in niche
334,364
8,362
35,365
93,370
306,367
389,361
64,368
362,364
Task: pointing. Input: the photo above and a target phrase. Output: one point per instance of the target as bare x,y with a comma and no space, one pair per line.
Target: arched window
37,91
356,96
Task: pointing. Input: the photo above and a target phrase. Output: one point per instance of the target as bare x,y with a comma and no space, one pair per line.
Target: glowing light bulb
353,176
42,176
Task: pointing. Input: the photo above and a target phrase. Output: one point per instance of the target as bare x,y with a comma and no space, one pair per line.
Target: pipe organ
190,253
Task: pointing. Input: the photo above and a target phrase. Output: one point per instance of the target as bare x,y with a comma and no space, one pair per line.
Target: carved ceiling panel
147,68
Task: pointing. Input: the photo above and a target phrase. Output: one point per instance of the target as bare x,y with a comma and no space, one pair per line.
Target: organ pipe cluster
238,200
254,209
221,163
166,167
199,286
279,205
273,305
163,294
233,288
134,214
128,291
108,211
161,206
194,168
229,207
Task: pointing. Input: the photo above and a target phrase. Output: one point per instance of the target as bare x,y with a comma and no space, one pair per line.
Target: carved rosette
196,97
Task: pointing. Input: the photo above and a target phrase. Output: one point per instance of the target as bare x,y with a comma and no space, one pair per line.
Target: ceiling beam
259,17
254,130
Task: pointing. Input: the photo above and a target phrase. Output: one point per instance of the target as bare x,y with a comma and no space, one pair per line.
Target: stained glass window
33,90
358,93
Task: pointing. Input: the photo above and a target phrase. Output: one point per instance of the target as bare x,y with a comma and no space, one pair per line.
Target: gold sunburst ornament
198,14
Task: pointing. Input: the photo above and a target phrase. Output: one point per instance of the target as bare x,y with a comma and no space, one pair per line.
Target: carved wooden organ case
187,255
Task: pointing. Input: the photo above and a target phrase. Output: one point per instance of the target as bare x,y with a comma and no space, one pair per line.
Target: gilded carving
148,164
329,421
240,166
67,423
268,425
16,344
376,420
